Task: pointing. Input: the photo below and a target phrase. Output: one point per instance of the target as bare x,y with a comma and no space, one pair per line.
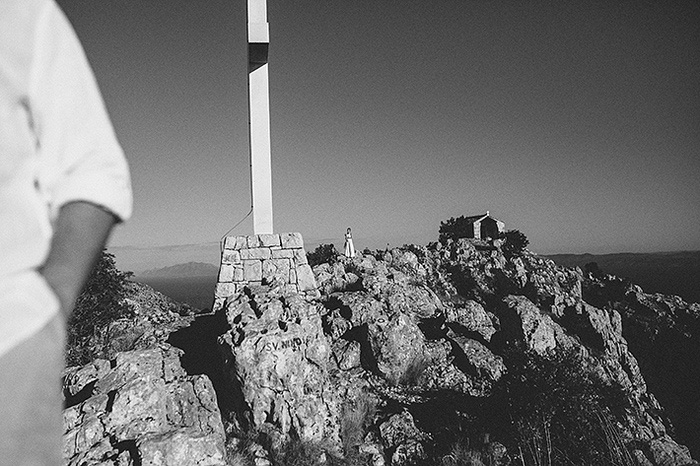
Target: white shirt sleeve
79,157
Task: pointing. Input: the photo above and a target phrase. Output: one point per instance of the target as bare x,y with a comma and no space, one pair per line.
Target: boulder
554,289
141,408
522,320
79,378
331,278
663,451
358,307
410,298
408,453
397,347
398,429
470,317
179,448
347,354
477,360
276,352
374,453
402,438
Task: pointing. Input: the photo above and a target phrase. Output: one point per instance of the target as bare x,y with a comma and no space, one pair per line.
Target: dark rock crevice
360,334
462,369
663,333
73,400
202,355
130,447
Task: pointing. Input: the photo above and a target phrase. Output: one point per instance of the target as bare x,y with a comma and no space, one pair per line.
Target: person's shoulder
37,5
25,10
19,20
24,15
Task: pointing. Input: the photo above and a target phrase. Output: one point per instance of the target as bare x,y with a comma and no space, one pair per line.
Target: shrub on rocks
323,254
515,244
100,303
455,228
558,410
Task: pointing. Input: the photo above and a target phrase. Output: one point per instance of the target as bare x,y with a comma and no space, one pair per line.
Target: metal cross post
259,116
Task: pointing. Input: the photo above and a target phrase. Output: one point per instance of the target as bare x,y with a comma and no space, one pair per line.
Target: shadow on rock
202,355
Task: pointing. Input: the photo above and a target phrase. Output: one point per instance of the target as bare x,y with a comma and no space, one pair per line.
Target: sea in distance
676,273
197,291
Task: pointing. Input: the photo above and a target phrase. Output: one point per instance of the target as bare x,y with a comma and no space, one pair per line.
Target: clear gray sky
576,122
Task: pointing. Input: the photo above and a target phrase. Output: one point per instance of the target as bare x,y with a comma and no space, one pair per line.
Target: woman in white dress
349,247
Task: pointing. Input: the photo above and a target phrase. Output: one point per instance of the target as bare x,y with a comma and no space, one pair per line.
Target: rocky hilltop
469,353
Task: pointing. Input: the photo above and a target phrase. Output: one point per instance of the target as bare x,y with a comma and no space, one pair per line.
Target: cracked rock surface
278,355
403,355
141,408
436,331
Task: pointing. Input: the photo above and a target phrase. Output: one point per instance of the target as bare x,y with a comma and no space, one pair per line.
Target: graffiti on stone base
294,344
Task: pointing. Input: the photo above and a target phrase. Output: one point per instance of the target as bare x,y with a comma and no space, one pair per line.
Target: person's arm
81,231
81,167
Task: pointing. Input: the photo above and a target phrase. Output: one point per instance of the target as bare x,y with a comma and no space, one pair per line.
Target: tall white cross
259,116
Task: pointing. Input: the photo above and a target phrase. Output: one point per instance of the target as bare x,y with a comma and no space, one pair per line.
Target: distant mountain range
141,259
676,273
190,269
192,283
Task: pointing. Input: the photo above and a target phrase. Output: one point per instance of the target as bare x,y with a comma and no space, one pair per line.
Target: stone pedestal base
264,259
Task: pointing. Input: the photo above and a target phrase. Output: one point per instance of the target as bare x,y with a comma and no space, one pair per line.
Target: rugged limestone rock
471,317
155,317
396,344
384,314
277,353
479,360
663,451
522,320
347,354
357,307
445,322
141,409
407,355
663,333
402,439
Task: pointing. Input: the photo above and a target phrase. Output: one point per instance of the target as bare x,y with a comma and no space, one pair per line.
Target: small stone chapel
485,226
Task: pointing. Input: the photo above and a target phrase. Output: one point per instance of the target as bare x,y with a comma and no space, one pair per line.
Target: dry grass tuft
461,455
413,373
356,416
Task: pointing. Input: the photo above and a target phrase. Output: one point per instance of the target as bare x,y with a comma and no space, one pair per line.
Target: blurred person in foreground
64,183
